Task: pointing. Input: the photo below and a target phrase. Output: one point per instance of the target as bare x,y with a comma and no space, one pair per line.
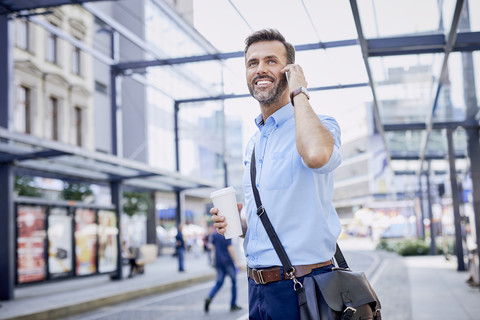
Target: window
22,34
78,126
76,60
22,121
53,117
52,43
100,87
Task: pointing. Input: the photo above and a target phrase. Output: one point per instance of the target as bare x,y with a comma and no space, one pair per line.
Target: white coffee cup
226,203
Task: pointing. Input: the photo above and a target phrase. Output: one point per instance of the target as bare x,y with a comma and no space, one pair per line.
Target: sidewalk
63,298
419,288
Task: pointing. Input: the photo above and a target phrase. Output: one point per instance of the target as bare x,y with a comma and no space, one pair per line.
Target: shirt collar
279,117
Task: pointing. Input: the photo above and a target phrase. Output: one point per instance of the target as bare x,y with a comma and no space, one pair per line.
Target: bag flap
342,288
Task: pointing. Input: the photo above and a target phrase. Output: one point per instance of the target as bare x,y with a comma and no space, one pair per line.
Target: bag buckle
259,276
348,312
296,284
260,210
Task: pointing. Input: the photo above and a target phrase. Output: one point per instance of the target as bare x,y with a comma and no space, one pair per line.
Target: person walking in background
225,264
130,254
180,249
296,153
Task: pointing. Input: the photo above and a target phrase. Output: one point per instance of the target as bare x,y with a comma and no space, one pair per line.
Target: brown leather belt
264,276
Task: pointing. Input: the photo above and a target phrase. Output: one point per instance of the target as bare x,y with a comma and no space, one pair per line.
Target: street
383,269
186,303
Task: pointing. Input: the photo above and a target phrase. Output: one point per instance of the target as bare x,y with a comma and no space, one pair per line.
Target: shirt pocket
278,171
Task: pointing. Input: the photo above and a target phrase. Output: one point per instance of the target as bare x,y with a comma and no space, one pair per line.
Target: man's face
263,62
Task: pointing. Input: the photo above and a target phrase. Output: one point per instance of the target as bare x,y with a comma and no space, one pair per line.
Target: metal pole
422,209
456,202
116,190
7,214
474,155
433,246
176,108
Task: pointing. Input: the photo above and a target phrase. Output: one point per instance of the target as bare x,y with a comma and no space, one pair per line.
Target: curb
69,310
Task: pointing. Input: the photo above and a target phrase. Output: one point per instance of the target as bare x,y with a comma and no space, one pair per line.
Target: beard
268,96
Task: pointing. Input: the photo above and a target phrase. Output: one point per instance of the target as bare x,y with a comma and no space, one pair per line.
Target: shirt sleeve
335,158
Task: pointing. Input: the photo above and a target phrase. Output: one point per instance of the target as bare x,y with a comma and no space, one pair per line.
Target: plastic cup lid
222,192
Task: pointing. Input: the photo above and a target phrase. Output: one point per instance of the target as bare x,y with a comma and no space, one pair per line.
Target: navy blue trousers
276,300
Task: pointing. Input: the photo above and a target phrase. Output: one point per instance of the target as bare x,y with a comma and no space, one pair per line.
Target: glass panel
325,21
405,86
473,22
60,252
187,81
85,241
168,38
476,72
31,243
437,144
393,18
107,238
334,66
404,143
161,135
201,130
458,90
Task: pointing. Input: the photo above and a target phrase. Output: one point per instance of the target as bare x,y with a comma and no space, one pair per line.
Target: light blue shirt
297,199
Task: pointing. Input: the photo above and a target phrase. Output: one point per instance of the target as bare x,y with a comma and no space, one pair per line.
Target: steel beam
20,5
456,203
364,47
452,35
224,56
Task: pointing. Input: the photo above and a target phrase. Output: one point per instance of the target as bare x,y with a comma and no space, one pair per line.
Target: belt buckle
259,276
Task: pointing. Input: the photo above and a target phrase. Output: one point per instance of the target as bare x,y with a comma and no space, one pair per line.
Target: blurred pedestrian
131,254
180,249
225,264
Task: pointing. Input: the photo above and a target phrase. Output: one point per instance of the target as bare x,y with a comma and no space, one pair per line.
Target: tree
25,186
136,203
76,191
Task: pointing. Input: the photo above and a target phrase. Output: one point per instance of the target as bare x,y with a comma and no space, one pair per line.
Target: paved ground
418,288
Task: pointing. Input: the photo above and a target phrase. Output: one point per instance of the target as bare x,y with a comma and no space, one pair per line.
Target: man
296,152
180,248
225,264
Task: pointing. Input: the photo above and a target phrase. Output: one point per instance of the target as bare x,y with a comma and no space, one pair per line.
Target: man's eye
272,61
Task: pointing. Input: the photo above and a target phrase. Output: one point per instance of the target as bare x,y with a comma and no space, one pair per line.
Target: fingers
296,78
218,221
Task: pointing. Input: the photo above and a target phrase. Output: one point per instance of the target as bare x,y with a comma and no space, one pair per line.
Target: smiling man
296,152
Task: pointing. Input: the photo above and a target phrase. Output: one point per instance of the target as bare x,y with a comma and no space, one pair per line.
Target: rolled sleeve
335,158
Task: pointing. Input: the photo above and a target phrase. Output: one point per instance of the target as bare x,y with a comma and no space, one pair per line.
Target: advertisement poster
85,241
31,243
59,243
107,236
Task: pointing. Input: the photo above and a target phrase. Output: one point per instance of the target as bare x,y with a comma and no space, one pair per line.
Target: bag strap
262,214
277,245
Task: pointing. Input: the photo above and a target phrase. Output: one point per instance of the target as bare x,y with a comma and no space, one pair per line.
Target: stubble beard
267,97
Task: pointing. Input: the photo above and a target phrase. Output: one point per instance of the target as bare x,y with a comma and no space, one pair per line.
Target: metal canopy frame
29,153
76,162
15,6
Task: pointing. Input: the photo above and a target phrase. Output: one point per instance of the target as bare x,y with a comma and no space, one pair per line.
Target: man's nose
262,68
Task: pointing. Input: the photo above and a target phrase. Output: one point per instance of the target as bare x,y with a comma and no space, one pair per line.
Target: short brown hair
271,35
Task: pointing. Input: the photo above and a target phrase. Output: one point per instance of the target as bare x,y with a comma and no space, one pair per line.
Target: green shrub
407,247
